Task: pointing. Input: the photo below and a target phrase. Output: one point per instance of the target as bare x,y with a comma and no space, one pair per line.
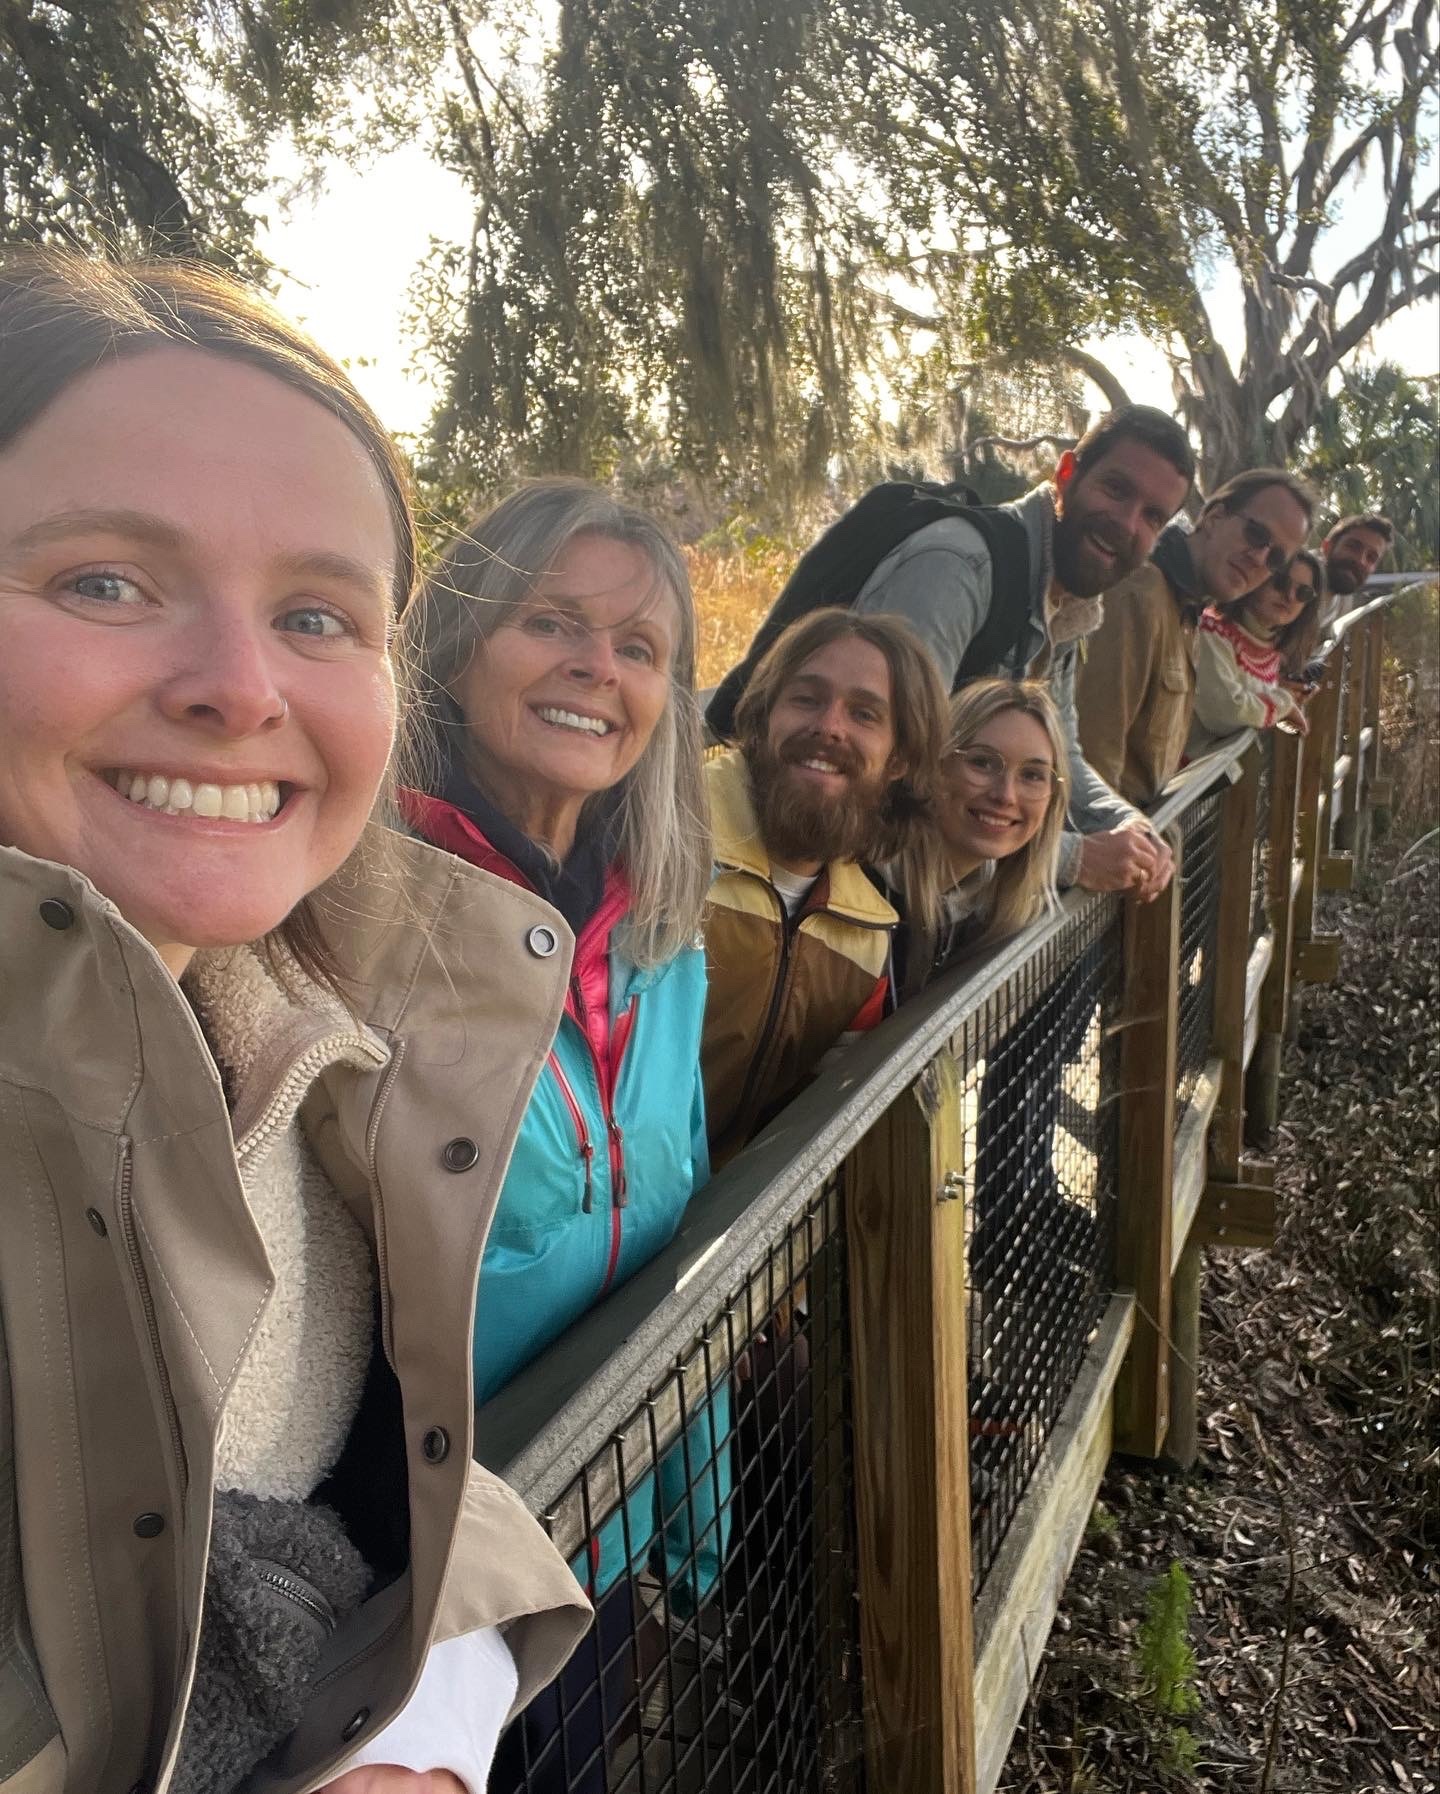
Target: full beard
1343,578
1075,570
799,824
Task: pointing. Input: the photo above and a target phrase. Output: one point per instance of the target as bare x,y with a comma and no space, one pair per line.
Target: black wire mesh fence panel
715,1532
1199,915
1260,864
1040,1068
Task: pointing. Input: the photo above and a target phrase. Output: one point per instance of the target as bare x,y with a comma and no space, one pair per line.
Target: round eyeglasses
1035,780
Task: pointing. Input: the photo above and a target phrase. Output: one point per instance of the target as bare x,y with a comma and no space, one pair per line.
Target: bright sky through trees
349,253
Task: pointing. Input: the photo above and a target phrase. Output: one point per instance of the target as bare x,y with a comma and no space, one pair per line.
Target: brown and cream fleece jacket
783,989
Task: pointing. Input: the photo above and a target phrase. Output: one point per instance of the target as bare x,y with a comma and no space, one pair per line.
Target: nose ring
281,716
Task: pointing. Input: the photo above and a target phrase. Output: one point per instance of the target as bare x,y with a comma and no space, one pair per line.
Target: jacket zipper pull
587,1154
622,1182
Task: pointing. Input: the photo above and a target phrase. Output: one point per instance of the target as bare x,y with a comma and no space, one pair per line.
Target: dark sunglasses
1260,537
1300,594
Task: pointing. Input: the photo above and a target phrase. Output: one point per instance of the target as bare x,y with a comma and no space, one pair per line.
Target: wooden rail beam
1235,1214
906,1221
1148,1077
1317,961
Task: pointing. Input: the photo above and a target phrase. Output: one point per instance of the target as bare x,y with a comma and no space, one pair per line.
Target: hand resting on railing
1126,859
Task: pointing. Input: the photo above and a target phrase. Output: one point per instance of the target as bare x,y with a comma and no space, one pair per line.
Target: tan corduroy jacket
1135,689
131,1276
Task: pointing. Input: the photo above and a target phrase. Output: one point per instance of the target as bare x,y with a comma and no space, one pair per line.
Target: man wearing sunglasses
1135,692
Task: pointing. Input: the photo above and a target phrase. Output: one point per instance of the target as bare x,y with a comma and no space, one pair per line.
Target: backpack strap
995,644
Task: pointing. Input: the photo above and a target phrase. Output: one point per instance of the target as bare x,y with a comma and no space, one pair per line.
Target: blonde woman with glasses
988,867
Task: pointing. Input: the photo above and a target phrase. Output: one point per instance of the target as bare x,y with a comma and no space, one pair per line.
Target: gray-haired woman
557,638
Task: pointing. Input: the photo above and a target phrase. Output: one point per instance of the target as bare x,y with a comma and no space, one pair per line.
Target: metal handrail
600,1368
1343,625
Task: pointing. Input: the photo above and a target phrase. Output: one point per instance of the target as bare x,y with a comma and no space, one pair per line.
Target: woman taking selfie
1249,656
252,1128
557,644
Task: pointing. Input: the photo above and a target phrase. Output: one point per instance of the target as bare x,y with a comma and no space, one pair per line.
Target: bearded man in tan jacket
1135,691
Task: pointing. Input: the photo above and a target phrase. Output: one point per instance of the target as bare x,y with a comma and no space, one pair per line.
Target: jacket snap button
352,1726
460,1154
57,914
436,1445
96,1220
542,941
149,1526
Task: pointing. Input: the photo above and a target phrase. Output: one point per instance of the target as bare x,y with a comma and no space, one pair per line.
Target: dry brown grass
733,590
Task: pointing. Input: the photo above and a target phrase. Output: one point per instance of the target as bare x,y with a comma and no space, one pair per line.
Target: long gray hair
660,816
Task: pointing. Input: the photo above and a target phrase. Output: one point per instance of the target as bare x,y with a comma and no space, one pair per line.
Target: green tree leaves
751,241
143,125
1372,448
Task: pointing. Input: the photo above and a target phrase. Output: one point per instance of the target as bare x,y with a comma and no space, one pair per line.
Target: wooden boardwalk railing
912,1619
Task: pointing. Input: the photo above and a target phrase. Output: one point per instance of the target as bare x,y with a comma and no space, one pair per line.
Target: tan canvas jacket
782,990
131,1275
1135,689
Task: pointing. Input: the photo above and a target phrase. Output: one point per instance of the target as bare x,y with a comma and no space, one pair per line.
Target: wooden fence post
1238,811
1236,850
906,1222
1148,1077
1316,957
1262,1101
1352,723
1373,790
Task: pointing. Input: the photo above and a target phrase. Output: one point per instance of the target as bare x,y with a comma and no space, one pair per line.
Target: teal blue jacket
611,1150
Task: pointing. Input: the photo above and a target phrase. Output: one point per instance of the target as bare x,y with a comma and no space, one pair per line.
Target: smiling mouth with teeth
258,802
571,719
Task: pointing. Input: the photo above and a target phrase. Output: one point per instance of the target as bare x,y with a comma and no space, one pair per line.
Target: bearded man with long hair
839,737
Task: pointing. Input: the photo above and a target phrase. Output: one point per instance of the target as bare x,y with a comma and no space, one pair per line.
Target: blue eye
313,621
106,588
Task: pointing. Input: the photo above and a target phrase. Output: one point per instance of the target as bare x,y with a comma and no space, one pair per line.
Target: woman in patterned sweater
1248,656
